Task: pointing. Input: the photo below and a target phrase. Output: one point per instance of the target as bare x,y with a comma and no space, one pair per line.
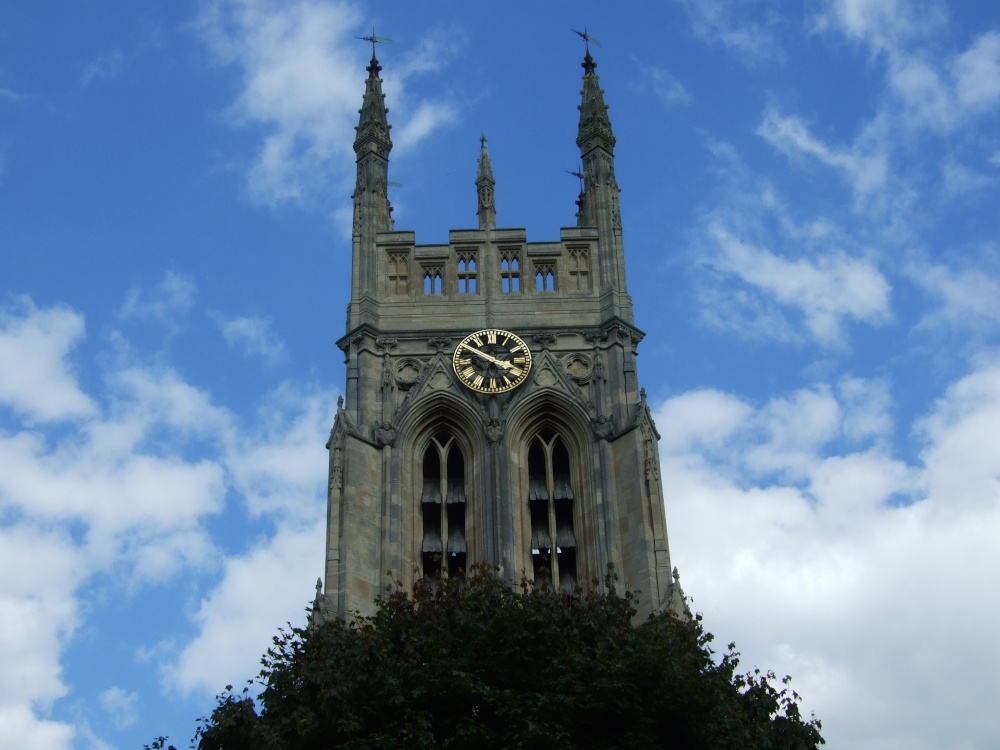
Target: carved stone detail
544,340
494,430
408,372
386,343
440,344
579,368
603,427
384,433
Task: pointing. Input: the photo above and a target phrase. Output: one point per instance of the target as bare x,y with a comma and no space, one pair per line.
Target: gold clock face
492,361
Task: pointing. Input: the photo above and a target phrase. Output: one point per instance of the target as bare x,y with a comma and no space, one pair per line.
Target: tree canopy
475,663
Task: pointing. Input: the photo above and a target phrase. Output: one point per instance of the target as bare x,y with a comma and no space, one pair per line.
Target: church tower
492,411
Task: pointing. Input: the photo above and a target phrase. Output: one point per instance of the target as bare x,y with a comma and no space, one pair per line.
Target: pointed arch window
442,504
545,277
550,506
467,273
433,280
510,271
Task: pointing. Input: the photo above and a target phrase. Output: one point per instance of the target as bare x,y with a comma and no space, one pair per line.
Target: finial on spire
484,187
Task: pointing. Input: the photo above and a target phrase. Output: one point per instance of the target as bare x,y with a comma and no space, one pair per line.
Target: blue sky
809,200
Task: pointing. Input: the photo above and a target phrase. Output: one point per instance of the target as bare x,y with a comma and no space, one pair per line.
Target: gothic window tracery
399,273
433,280
510,271
550,507
443,503
545,277
579,268
467,273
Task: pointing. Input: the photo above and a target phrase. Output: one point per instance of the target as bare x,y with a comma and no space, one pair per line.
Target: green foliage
474,663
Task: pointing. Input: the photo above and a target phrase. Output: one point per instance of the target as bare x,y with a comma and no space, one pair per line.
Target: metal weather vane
587,38
579,176
375,39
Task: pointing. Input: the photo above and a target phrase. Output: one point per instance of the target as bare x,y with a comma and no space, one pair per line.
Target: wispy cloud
930,90
120,704
10,95
863,166
746,28
773,277
104,67
661,82
252,335
164,303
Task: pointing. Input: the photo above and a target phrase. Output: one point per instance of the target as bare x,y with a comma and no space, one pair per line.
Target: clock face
492,361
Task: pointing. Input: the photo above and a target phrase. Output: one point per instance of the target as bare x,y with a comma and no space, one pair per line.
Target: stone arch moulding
549,412
436,414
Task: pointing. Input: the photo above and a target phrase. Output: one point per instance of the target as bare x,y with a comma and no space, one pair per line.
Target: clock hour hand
488,357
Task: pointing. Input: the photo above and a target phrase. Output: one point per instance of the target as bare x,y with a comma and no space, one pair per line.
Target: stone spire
595,127
372,212
599,204
484,187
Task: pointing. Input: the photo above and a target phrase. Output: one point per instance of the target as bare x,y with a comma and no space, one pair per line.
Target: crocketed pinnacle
485,173
595,126
373,126
484,187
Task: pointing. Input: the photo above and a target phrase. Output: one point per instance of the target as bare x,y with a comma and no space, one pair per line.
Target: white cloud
428,117
940,92
252,335
302,82
860,574
298,80
124,494
269,586
168,300
35,377
825,289
706,418
274,467
22,729
883,24
39,571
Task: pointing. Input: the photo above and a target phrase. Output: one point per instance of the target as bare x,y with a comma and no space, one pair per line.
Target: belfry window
550,506
510,271
467,273
442,506
433,280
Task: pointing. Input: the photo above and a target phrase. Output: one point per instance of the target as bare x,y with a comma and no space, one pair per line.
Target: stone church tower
492,410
